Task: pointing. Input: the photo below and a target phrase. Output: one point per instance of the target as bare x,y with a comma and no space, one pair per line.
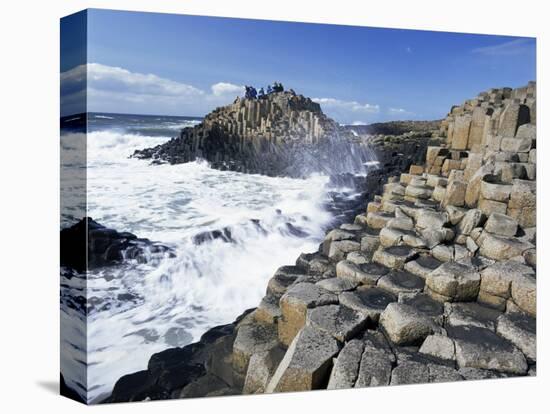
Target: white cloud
354,106
225,88
513,47
397,111
117,79
115,89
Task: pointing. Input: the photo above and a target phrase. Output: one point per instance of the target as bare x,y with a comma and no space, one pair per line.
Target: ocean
134,310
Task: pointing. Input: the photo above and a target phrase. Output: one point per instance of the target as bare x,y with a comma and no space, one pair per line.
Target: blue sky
187,65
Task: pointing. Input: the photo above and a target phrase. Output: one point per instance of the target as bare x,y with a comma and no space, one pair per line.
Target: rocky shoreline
434,281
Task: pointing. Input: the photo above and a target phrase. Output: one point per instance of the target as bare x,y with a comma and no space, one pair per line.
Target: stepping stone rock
365,274
520,330
524,294
418,191
501,225
339,249
401,223
351,227
422,266
491,190
412,240
442,373
472,219
443,252
424,304
375,368
410,372
456,214
370,301
252,338
433,237
282,279
473,374
378,220
306,364
431,219
313,262
391,237
268,311
481,348
369,243
358,257
497,278
339,321
346,366
404,324
500,247
454,280
394,257
438,346
401,282
294,304
261,367
471,314
337,285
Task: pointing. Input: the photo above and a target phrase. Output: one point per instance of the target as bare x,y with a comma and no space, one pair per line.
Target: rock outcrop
435,281
278,134
88,244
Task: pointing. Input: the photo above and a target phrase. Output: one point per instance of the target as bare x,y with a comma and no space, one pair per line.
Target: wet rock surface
88,245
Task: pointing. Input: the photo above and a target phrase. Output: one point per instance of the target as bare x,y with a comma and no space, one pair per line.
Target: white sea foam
174,302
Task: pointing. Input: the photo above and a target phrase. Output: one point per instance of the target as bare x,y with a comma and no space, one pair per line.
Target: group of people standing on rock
252,93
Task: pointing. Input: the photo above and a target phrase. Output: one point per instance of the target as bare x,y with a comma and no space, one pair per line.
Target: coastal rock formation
434,281
87,244
278,134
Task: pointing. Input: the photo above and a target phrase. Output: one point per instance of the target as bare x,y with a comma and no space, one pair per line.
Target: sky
165,64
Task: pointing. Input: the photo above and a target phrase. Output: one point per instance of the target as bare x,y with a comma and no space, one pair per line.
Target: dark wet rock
423,303
401,282
481,348
170,371
68,392
88,245
394,257
370,301
204,386
206,236
339,321
366,273
423,266
473,314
